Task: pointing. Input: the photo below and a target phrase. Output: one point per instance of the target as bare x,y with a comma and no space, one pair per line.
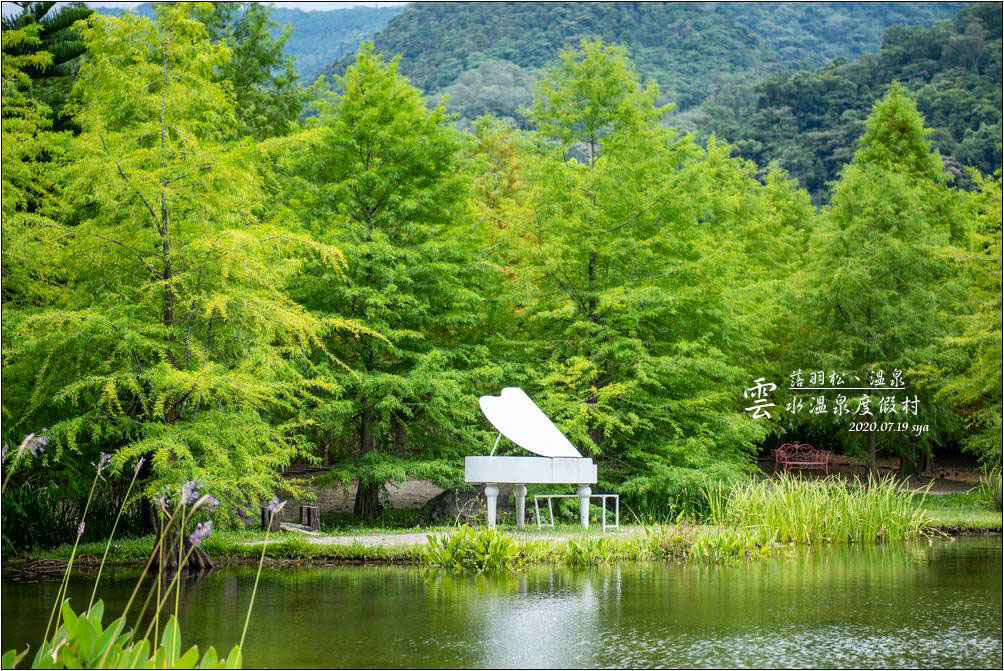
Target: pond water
926,604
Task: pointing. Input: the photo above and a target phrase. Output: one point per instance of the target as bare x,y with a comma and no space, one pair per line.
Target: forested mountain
810,121
318,37
691,49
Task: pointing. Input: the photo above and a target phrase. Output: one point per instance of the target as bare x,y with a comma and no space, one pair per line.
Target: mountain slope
691,49
810,121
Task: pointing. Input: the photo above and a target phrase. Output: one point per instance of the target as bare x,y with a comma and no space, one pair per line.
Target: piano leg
519,491
584,492
491,497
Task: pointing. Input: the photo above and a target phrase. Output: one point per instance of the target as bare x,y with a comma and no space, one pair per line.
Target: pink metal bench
801,455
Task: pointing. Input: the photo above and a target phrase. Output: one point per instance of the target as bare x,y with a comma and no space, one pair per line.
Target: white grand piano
520,420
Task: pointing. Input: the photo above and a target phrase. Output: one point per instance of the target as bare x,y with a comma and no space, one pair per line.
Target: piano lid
521,421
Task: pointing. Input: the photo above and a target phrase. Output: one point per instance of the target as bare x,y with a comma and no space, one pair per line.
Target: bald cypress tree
386,183
878,282
649,258
167,331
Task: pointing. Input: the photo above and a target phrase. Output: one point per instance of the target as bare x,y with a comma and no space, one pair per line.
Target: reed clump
827,510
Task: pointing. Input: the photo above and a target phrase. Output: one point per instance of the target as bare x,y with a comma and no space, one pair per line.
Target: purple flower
275,506
80,529
212,502
102,462
6,447
34,443
189,493
202,530
139,464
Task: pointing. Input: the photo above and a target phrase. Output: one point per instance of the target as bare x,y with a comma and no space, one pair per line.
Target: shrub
81,642
477,550
991,489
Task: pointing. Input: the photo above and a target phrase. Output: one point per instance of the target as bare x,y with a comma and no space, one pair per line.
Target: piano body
520,420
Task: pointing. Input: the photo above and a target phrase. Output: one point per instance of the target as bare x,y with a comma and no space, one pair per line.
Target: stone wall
339,498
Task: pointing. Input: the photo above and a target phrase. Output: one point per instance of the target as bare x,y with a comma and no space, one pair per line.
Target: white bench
602,497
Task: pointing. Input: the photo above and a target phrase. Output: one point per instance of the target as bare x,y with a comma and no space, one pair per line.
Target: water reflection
919,604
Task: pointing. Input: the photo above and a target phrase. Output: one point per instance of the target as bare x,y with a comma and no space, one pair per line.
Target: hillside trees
643,316
878,280
169,334
809,121
385,182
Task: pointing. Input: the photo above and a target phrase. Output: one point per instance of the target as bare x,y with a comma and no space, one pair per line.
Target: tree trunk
928,463
147,512
908,465
367,505
872,463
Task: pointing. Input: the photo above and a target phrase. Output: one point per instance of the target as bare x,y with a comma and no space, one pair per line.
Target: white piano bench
603,498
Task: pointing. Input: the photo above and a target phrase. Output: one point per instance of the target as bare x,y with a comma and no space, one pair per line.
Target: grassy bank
746,521
961,512
472,548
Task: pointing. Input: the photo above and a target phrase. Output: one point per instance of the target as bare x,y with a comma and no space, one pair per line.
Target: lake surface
925,604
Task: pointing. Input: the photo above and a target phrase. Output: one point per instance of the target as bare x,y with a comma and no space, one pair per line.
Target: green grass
960,510
827,510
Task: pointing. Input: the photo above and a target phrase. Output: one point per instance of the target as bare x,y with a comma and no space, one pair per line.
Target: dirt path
420,538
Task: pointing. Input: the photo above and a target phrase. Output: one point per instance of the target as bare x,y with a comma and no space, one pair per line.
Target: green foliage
171,334
476,550
41,509
82,642
991,489
589,551
31,158
967,372
267,98
665,493
648,313
878,280
316,38
808,121
384,181
593,91
690,49
721,546
494,87
41,43
828,510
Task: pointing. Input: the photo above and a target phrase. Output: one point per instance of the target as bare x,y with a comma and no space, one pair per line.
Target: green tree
49,58
172,336
972,354
385,182
878,282
645,342
267,96
31,153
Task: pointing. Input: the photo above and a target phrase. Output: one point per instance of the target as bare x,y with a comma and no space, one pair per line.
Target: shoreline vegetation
752,520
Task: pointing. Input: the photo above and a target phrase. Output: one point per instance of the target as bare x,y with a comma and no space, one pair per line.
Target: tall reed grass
828,510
